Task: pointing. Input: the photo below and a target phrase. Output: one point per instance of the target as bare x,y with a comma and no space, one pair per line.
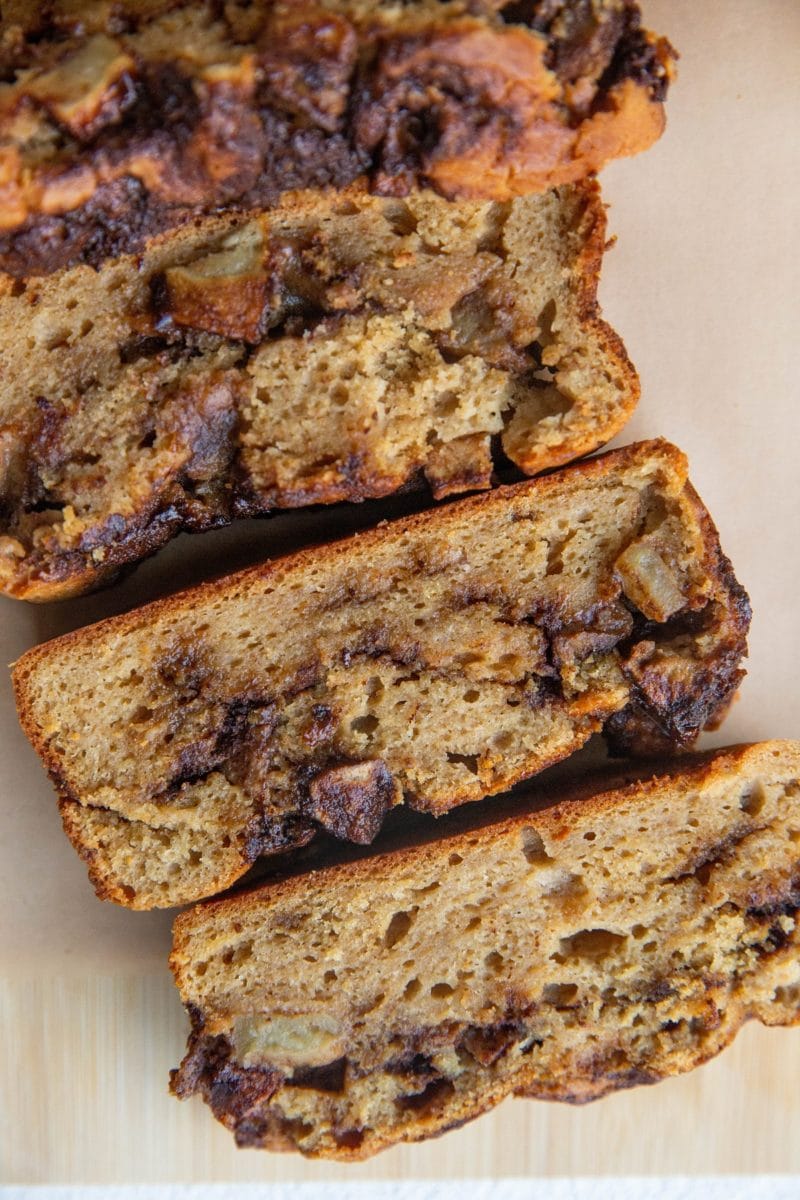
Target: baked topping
473,101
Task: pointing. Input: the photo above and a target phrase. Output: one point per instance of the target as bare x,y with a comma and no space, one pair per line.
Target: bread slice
431,661
117,120
334,348
561,954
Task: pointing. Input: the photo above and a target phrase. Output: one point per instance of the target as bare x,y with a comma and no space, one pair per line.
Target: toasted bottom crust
564,953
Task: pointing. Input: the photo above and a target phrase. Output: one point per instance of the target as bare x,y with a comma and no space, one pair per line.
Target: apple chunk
89,88
224,293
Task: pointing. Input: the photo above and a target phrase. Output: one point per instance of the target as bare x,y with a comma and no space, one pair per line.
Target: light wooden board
703,287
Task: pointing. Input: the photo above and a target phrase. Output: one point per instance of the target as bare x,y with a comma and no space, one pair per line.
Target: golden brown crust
758,878
212,377
652,677
107,135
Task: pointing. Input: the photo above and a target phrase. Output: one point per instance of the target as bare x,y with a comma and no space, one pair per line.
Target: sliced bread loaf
561,954
432,661
334,348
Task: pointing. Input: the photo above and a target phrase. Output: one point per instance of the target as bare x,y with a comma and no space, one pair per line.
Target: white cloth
727,1187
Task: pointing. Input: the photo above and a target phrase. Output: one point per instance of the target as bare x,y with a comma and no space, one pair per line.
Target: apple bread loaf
118,120
333,348
562,953
430,661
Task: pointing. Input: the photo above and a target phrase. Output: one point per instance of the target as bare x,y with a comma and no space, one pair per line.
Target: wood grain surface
702,286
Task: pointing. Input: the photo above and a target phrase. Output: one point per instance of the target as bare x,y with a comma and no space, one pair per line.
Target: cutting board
702,285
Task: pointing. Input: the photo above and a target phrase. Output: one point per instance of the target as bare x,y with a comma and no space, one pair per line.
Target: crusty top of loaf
119,119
